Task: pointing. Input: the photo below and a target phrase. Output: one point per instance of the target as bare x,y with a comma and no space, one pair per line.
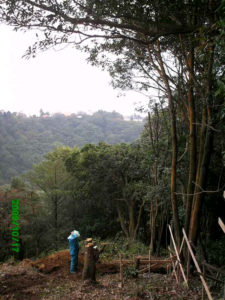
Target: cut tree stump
89,263
88,240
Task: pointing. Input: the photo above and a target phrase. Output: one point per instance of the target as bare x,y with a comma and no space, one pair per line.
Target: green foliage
216,251
113,176
27,139
17,183
122,22
130,272
121,245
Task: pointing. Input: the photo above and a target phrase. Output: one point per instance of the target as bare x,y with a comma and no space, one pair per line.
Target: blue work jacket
74,246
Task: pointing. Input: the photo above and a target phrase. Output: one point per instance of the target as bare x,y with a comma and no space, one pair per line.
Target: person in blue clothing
74,250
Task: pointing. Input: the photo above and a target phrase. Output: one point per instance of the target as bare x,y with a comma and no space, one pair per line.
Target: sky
55,81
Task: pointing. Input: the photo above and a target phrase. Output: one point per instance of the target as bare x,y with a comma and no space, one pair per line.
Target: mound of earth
61,261
56,261
28,276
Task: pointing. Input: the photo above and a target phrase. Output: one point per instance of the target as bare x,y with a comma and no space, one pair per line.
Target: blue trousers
74,263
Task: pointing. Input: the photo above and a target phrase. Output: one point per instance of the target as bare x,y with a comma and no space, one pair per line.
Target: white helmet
75,233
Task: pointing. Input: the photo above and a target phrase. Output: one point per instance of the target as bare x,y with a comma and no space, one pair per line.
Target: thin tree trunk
160,235
152,228
192,141
139,219
174,148
55,199
153,212
122,223
131,220
56,220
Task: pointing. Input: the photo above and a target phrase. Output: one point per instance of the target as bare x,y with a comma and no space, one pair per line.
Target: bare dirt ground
49,278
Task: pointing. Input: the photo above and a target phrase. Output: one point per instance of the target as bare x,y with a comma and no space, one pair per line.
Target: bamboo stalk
197,266
221,224
203,290
174,268
181,246
178,257
188,265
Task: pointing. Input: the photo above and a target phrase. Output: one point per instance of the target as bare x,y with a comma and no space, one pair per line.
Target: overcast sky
56,81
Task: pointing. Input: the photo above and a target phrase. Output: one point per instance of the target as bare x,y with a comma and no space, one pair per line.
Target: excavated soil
48,278
28,278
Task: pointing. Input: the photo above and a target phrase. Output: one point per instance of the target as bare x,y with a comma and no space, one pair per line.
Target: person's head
75,233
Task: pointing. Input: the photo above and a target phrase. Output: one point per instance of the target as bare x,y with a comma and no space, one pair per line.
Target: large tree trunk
200,186
206,141
153,206
89,263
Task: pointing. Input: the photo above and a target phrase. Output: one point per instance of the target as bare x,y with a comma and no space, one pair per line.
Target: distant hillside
24,140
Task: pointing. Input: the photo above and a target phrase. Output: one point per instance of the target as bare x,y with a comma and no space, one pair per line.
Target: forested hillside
24,140
162,194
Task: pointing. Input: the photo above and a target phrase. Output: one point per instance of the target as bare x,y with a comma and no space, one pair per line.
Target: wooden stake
149,266
121,271
174,268
197,266
188,264
224,292
203,290
181,246
221,224
178,257
137,263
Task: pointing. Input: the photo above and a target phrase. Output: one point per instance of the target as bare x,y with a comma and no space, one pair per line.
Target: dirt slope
49,278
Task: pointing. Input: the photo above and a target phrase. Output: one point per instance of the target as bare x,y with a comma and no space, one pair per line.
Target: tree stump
88,240
89,263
